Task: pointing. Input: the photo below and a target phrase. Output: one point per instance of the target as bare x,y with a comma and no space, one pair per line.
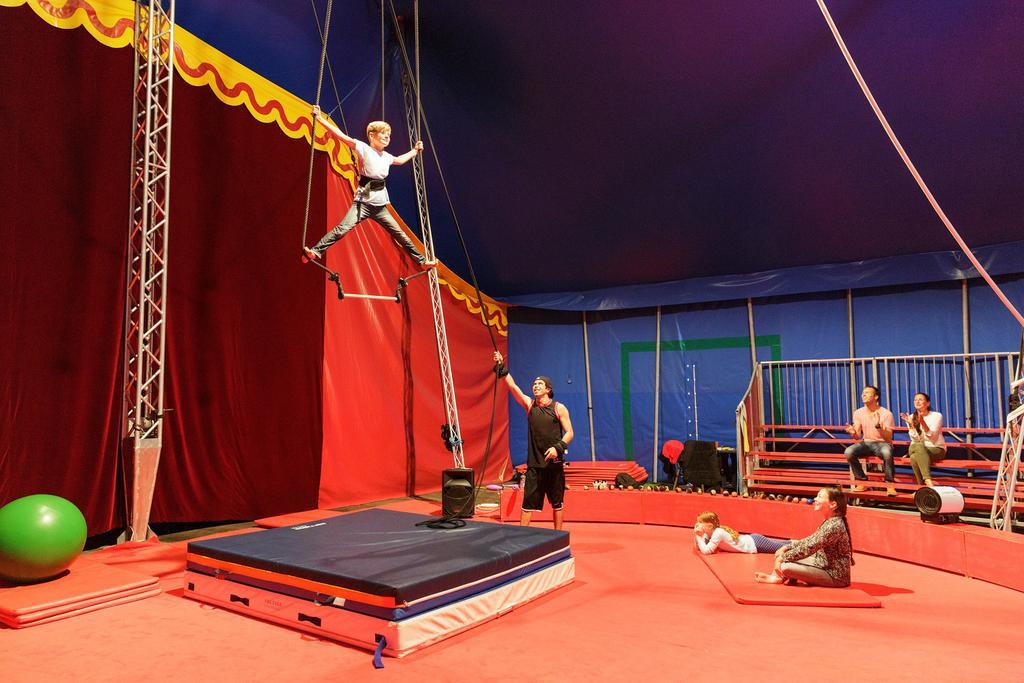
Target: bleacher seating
799,459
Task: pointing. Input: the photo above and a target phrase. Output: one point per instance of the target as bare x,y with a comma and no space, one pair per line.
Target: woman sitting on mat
926,442
710,535
824,557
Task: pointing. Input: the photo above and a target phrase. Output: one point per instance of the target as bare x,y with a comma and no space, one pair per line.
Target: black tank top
544,430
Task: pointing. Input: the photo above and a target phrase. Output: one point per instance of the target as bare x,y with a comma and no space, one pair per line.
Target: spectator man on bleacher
873,425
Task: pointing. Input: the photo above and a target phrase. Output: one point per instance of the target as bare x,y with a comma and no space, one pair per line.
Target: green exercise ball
40,536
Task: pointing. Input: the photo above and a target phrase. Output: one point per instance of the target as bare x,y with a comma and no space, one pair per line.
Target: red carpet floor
643,607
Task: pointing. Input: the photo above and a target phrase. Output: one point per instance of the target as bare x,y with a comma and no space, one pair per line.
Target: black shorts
544,482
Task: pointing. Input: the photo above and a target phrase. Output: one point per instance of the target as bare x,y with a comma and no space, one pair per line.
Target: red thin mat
77,609
88,586
736,572
295,518
85,581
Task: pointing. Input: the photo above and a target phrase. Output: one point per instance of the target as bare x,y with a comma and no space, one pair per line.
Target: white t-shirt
720,538
377,165
932,435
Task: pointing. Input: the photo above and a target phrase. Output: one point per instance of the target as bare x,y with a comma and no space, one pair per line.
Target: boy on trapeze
371,198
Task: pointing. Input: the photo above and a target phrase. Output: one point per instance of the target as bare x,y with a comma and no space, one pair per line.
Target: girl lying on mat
824,557
710,536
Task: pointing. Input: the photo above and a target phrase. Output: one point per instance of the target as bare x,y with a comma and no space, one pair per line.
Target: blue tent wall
813,326
608,332
924,320
713,340
990,325
549,343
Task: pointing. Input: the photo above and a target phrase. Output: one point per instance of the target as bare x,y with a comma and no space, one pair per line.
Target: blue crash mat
378,556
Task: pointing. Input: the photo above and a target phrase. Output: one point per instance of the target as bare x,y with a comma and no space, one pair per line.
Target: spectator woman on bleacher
824,557
926,443
710,536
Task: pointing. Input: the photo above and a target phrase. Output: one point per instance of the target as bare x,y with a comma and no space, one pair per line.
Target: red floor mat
580,473
88,586
736,572
295,518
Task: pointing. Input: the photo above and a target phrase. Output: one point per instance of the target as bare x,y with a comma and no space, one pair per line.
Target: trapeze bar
379,297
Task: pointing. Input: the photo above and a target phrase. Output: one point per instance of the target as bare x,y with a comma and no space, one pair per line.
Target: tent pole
657,392
590,400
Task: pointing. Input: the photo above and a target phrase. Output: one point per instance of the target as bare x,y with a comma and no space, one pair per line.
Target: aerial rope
330,72
913,169
333,275
420,122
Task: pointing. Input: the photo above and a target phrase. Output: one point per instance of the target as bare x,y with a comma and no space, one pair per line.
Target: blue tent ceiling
597,144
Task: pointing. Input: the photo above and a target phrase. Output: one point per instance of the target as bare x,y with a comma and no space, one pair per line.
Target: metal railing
970,390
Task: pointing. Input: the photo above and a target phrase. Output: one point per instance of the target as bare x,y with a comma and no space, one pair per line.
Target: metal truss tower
453,435
1010,459
146,304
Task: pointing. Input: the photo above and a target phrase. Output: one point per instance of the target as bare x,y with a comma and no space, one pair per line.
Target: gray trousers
360,211
809,574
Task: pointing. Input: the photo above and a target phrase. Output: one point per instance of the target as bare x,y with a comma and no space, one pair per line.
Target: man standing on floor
873,425
549,432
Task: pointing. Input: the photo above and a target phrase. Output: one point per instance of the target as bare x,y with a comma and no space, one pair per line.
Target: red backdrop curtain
383,403
64,126
244,342
255,419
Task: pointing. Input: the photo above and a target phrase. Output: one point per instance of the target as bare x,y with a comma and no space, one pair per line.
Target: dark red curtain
245,384
245,319
383,403
65,117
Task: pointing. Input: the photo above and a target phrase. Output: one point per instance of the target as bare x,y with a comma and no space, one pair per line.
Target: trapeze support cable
913,169
312,124
330,73
421,115
404,281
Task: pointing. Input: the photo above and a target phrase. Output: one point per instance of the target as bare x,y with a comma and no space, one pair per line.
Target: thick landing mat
400,636
736,572
88,586
377,557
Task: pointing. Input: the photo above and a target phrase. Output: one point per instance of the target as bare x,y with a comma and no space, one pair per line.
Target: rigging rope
330,72
416,34
444,183
312,124
332,275
913,169
422,121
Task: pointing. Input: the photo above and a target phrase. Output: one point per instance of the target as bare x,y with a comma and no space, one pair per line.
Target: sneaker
891,491
310,254
856,488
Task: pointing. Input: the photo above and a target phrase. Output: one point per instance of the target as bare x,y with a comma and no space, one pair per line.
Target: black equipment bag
701,464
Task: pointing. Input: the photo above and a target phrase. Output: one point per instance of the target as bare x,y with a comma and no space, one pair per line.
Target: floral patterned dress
827,548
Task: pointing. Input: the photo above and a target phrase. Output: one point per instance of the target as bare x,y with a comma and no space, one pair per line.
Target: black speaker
701,464
458,499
